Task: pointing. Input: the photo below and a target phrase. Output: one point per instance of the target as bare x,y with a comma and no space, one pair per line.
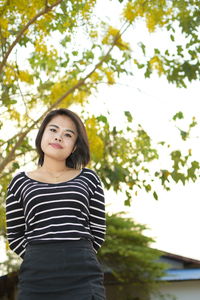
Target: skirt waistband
81,243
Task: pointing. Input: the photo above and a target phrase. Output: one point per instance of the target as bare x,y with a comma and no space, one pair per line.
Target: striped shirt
42,212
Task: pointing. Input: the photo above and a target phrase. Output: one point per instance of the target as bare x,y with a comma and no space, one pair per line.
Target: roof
182,275
180,268
181,258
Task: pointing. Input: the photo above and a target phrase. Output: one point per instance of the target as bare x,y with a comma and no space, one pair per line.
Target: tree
128,257
57,53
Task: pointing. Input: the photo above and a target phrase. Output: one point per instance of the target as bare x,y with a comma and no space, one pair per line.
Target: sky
173,220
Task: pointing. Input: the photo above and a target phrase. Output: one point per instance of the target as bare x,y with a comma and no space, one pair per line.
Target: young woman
56,216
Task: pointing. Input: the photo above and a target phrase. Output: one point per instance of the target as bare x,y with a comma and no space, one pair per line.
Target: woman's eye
68,135
52,129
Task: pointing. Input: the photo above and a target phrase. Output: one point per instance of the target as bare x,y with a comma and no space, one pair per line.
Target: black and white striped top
42,212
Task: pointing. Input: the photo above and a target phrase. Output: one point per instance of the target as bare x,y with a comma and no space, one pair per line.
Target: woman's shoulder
91,174
17,175
16,179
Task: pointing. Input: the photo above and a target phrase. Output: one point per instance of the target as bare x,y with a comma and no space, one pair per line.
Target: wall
184,290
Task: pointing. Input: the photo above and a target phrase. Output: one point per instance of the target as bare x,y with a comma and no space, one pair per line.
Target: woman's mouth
56,146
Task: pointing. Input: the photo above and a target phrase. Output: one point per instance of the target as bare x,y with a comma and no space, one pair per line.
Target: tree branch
21,32
12,154
81,82
4,174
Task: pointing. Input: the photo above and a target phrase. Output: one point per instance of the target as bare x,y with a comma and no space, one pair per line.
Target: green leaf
143,47
155,195
148,187
102,118
127,202
156,51
184,134
179,115
89,55
167,52
129,116
75,53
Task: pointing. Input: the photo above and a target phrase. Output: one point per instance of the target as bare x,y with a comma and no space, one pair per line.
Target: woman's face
59,138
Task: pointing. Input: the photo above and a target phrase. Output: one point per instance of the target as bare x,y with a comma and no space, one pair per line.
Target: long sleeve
15,224
97,217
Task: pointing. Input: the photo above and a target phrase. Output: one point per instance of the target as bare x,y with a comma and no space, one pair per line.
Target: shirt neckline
51,183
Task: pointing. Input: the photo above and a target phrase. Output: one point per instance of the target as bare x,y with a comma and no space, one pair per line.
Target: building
182,280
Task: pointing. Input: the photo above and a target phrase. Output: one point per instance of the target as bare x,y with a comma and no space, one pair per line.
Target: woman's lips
55,145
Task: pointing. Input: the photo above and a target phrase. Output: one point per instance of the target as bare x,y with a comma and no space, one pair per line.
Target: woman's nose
58,138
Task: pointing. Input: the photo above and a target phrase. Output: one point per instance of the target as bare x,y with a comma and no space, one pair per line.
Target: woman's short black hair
81,156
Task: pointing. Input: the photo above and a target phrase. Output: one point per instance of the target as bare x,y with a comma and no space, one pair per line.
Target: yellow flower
9,75
95,142
4,28
95,77
14,115
110,76
93,34
113,35
156,64
133,10
25,77
40,47
129,13
150,22
110,35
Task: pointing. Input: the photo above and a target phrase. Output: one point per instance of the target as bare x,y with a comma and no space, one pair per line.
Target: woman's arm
97,217
15,224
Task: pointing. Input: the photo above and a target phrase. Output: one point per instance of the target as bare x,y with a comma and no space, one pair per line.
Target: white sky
174,219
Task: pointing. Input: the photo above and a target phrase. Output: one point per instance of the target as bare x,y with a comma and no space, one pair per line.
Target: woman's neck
53,166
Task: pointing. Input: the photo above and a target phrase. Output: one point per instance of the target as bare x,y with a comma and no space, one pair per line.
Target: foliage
118,154
128,256
43,65
178,15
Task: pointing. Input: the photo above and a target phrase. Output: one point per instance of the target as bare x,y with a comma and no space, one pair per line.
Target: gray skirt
61,271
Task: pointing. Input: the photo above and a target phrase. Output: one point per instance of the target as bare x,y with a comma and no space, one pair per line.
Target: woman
56,216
